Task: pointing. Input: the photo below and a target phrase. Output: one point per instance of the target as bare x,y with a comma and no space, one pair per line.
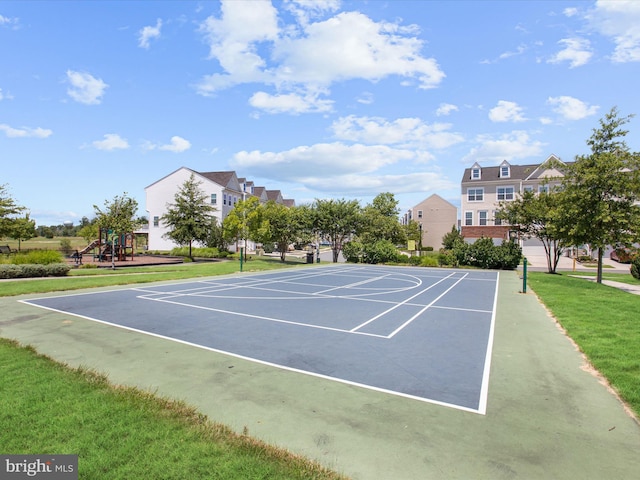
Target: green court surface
547,416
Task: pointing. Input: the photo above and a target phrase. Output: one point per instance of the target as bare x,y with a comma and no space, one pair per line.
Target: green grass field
603,321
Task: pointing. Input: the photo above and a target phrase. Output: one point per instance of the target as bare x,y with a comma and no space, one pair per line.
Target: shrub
353,251
403,258
28,270
65,246
40,257
416,261
428,261
635,267
382,251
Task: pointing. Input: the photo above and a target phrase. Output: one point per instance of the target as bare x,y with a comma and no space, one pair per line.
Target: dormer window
475,173
505,170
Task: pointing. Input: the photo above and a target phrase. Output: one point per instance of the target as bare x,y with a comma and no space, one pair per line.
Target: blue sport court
421,333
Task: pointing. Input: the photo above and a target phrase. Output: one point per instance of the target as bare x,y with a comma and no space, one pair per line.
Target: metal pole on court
524,277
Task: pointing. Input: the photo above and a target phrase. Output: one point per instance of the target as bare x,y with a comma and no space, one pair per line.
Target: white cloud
510,146
300,162
112,141
577,52
177,145
445,109
5,96
403,132
147,33
309,56
570,108
85,88
619,20
342,169
506,112
9,21
354,184
570,11
290,103
25,132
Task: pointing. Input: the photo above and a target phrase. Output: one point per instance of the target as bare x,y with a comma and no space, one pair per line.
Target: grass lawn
124,433
104,277
603,321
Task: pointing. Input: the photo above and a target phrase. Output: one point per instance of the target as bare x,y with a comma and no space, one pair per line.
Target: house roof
517,172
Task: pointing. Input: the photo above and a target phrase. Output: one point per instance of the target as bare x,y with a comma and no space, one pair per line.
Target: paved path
547,416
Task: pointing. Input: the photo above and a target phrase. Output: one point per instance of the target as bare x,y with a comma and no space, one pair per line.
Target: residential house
223,190
436,216
483,188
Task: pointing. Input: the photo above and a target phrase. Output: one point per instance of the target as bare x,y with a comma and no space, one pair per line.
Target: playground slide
89,247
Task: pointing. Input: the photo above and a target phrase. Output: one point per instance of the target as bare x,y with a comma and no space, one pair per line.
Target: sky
317,98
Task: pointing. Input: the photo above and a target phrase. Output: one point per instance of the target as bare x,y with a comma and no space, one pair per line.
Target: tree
601,191
189,218
452,239
336,221
281,225
118,214
22,228
380,221
8,209
535,216
243,221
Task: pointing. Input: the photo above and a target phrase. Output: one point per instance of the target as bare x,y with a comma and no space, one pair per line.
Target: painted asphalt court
412,332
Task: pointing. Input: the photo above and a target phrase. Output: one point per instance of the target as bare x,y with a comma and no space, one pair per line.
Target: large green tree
118,215
281,225
601,191
8,210
189,217
243,221
380,221
535,216
336,221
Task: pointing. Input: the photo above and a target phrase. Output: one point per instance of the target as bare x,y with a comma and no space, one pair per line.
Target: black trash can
309,257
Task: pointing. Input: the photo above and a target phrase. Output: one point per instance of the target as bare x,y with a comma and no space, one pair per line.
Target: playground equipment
112,246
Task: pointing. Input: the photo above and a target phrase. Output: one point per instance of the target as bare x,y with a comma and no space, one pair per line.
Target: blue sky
320,99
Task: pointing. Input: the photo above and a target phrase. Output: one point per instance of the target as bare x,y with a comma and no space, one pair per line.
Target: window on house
468,218
224,198
419,213
528,188
475,194
543,188
505,193
504,171
156,221
482,217
475,174
496,220
214,199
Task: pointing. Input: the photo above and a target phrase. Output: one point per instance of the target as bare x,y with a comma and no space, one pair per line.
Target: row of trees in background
190,219
597,203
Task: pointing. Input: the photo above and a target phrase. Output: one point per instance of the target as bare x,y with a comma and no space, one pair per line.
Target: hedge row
29,270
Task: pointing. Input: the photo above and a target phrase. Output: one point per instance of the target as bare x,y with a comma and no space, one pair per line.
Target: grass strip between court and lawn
603,321
124,432
104,277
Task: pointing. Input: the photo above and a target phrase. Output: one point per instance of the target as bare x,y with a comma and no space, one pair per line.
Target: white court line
400,304
401,327
260,317
484,389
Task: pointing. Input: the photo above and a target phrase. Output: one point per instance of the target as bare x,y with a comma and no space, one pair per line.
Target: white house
223,190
